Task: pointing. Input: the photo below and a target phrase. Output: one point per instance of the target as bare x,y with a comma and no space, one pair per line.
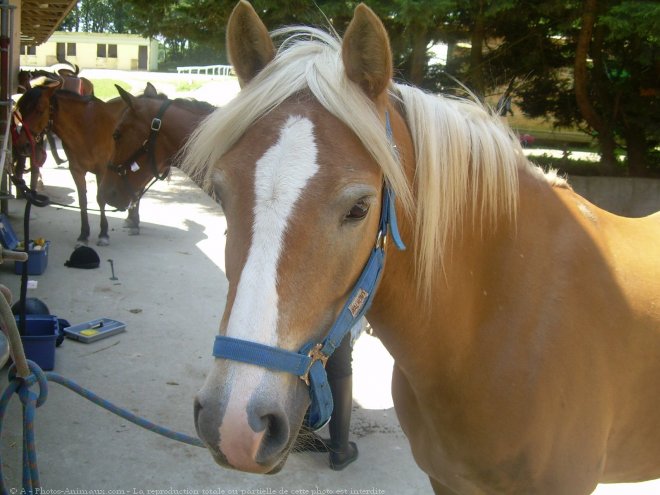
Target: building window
112,51
71,49
28,50
100,51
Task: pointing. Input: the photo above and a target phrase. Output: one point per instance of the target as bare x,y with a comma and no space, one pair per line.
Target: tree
591,64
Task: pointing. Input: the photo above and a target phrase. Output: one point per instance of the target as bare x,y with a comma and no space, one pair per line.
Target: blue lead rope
31,400
309,362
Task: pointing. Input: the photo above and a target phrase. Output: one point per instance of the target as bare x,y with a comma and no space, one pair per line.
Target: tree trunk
418,55
582,96
637,147
477,38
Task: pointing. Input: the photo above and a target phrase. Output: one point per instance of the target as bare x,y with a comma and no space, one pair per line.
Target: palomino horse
85,125
147,137
524,321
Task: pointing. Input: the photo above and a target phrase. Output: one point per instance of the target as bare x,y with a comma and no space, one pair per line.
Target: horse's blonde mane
467,160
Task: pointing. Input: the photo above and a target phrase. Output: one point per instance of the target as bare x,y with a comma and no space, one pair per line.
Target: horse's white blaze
280,177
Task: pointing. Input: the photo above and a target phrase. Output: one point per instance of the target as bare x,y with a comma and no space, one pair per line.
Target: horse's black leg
19,170
104,239
53,148
81,187
132,221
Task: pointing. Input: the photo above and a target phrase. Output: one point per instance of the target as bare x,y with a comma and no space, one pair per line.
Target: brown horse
524,321
147,137
84,124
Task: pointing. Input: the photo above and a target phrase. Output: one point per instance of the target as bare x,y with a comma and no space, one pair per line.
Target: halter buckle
381,240
316,355
155,124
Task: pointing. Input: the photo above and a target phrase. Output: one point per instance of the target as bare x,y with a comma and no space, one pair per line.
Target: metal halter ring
316,355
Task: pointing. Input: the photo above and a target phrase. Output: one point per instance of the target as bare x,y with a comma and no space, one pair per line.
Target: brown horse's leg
440,489
104,239
81,187
53,148
19,170
35,175
132,222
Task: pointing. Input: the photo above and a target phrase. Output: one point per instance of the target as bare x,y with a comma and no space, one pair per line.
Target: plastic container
37,258
93,330
41,332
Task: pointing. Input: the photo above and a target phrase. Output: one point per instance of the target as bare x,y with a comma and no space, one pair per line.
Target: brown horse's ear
150,91
366,52
125,95
249,46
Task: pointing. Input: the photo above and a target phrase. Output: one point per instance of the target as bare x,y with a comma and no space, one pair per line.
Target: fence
212,70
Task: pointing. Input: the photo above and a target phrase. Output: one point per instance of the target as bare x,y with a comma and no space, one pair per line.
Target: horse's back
628,248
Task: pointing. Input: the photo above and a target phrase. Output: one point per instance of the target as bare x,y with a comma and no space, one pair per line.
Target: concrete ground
170,293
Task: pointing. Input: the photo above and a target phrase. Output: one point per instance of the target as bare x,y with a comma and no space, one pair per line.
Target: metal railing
212,70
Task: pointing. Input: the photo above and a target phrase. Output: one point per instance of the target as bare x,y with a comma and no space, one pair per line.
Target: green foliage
527,44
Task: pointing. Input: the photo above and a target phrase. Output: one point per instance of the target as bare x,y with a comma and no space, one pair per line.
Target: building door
142,58
60,50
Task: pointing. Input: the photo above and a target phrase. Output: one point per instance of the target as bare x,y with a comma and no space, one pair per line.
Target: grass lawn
105,90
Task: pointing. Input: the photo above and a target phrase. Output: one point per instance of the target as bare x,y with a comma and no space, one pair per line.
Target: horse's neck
177,127
187,120
469,288
76,122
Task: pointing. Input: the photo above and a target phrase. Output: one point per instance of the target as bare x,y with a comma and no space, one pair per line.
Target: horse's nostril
197,407
276,436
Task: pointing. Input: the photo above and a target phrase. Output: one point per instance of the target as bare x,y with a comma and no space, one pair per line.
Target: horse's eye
359,210
116,135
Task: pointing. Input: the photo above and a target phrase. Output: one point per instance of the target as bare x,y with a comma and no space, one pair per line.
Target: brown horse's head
129,171
147,137
302,198
33,111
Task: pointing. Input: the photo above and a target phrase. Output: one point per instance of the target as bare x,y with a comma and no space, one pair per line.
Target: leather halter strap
148,147
309,362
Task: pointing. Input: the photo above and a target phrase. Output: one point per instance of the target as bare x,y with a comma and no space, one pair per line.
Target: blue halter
309,362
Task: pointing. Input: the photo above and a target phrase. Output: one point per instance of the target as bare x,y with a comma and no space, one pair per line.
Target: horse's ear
150,91
366,52
125,95
249,46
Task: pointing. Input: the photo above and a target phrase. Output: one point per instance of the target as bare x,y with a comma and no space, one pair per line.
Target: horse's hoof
134,231
129,224
81,242
103,241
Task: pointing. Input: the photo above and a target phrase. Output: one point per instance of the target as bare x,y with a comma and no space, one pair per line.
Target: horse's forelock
307,60
466,159
29,100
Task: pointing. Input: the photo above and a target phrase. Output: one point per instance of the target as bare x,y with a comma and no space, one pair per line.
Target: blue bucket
41,332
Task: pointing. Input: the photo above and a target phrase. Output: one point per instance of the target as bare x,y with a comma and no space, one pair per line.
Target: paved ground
170,293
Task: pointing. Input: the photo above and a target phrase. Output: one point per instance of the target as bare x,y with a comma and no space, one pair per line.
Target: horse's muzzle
254,440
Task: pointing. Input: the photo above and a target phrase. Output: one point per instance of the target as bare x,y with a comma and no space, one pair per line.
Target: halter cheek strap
309,362
148,147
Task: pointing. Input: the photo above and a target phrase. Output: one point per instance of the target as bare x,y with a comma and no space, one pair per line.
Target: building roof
39,18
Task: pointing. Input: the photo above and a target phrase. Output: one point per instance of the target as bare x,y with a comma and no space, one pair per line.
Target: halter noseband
148,148
309,362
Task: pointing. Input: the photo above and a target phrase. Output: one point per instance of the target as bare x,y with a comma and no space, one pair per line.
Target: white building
94,51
